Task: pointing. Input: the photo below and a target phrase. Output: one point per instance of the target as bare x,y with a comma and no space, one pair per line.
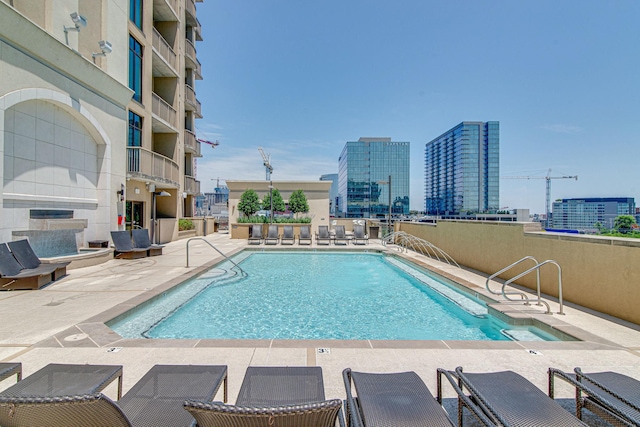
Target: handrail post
216,249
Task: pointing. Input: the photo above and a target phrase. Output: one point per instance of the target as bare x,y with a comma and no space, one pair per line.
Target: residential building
97,110
373,173
583,213
333,192
462,170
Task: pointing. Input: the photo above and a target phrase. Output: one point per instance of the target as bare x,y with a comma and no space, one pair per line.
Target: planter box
185,234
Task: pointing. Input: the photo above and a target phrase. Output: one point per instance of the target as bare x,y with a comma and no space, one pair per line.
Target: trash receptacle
374,230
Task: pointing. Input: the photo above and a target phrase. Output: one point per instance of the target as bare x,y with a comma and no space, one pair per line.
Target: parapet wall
600,273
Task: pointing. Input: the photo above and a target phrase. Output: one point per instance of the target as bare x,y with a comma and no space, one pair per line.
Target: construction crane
548,193
213,144
266,162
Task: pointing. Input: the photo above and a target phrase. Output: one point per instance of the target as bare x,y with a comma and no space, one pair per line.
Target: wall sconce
120,193
105,47
79,21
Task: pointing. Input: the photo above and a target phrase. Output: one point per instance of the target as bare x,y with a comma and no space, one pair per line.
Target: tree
298,202
278,202
249,202
623,223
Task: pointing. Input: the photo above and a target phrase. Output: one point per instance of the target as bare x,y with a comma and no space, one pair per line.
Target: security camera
79,20
105,46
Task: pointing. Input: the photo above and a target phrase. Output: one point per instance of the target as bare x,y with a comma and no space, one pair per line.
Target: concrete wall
597,272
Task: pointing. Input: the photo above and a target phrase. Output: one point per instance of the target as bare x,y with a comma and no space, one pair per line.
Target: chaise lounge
341,236
14,275
287,235
141,241
323,237
305,235
272,235
124,246
256,235
359,236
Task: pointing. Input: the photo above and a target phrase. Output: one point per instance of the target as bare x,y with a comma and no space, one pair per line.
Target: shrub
185,224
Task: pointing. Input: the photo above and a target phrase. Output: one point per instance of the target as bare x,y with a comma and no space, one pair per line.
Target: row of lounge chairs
179,395
323,237
21,268
134,245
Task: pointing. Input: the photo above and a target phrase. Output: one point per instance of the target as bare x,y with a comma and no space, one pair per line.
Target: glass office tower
583,214
364,168
462,170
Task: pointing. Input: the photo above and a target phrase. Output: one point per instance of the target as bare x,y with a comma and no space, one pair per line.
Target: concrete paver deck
63,323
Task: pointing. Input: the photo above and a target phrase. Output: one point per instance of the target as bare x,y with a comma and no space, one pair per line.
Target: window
135,130
135,12
135,68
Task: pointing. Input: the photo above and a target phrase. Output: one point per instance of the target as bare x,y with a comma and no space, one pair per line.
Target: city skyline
301,79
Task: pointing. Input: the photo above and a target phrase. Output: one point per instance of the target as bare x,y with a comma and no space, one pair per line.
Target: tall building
364,170
333,191
583,214
462,170
97,110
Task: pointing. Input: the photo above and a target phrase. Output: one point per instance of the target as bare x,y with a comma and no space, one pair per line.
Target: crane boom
548,189
266,161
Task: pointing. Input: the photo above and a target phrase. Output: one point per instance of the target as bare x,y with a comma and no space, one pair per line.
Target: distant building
583,214
462,170
364,168
215,203
333,192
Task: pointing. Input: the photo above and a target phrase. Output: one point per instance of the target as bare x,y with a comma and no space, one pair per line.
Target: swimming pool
318,295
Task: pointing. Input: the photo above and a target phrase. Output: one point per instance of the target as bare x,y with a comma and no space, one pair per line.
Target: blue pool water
318,295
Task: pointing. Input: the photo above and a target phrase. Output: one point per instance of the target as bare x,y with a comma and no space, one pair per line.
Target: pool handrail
497,273
217,250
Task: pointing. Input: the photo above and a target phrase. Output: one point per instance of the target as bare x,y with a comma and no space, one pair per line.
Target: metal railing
148,164
217,250
162,109
408,241
523,295
164,49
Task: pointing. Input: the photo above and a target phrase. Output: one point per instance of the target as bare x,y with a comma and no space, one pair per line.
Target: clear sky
300,78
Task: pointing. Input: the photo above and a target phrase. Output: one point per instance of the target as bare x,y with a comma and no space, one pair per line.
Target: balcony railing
190,8
162,109
146,164
191,185
164,50
165,10
191,143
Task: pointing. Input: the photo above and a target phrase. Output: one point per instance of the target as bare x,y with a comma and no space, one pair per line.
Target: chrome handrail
537,268
217,250
508,268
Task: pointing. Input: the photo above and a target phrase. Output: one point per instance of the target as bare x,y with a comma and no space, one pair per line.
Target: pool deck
63,323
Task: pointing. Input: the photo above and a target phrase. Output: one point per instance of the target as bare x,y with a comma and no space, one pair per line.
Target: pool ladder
522,295
244,273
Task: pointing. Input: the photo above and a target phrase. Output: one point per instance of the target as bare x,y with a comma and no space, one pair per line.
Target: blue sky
300,78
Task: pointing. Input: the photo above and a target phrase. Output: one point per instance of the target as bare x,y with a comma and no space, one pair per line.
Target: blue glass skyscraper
462,170
364,168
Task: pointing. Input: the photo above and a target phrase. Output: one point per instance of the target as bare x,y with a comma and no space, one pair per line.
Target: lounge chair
272,235
395,399
341,236
612,396
14,276
287,235
359,236
141,241
124,246
323,237
25,255
507,399
305,235
9,369
256,235
274,396
155,400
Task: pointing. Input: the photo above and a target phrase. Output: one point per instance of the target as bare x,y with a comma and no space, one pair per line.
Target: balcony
190,8
191,58
191,103
165,60
164,115
191,185
147,165
191,144
165,10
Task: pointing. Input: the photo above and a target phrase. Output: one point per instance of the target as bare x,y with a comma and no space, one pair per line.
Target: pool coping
93,332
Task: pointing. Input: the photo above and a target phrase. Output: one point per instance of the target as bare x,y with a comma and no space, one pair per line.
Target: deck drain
114,349
76,337
324,350
535,352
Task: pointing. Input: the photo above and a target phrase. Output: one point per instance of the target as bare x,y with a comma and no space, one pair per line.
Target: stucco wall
597,272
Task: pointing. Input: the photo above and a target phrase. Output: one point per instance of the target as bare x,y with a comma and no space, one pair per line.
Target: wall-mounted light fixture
105,47
120,193
79,22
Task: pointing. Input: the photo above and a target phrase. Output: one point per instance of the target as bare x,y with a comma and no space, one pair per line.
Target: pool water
318,295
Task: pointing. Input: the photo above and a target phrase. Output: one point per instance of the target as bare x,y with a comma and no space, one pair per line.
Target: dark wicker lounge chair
141,241
323,237
612,396
155,400
507,399
396,399
273,396
287,235
272,235
256,235
359,236
9,369
305,235
124,246
341,236
25,255
13,275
